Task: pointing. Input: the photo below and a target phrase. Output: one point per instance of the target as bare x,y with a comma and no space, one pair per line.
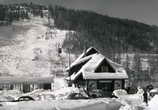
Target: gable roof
93,61
79,61
85,56
114,64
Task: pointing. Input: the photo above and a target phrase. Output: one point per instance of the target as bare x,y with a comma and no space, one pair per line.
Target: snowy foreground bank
94,104
90,104
124,102
130,102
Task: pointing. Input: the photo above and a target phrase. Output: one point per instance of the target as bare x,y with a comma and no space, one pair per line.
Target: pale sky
141,10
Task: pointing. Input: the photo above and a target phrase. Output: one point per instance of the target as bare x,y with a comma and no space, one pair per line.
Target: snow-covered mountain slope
31,48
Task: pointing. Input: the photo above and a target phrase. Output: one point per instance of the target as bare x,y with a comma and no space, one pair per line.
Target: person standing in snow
145,95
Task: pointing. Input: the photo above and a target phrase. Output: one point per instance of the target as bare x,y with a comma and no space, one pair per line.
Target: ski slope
31,50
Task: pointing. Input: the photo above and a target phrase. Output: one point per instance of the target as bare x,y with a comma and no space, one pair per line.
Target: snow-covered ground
32,50
153,103
88,104
45,100
93,104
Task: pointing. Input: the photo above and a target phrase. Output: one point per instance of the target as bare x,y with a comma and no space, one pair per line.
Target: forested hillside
116,38
110,35
113,37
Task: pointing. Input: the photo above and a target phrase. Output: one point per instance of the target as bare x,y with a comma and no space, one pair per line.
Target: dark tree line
104,32
110,35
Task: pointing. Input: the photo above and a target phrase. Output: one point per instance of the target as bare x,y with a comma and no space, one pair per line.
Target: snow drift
153,103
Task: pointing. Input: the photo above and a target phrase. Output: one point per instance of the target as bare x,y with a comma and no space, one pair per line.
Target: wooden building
96,74
26,84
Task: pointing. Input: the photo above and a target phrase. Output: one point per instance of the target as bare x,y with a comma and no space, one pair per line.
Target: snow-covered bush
119,92
65,92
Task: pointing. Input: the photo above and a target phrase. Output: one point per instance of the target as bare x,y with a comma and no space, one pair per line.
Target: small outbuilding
96,74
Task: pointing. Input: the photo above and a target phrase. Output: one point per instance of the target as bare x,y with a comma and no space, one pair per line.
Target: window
104,69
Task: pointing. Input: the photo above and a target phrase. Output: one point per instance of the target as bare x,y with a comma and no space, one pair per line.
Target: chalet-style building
96,74
26,84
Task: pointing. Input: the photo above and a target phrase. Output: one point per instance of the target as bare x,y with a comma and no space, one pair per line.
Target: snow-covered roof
93,62
76,62
85,56
28,80
104,75
120,74
114,64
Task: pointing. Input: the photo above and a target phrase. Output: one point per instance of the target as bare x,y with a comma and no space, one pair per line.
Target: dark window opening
105,67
